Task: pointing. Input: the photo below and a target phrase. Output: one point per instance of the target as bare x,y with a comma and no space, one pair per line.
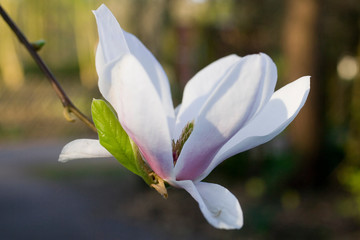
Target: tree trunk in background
184,51
300,40
151,24
12,73
85,37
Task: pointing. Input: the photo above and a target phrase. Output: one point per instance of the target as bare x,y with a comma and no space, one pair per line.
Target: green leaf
113,137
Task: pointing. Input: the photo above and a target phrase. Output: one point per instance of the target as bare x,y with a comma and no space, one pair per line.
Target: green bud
37,45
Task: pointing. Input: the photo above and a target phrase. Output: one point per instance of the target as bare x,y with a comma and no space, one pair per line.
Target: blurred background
303,184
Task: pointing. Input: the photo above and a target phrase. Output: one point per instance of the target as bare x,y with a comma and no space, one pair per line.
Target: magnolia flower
228,107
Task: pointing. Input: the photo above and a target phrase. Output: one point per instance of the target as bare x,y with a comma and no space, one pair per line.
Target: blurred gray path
33,207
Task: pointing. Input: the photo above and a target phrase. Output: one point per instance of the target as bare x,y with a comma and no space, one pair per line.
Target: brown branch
69,107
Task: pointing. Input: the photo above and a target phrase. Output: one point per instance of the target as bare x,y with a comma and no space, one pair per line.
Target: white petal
177,109
112,42
236,99
282,108
155,72
115,43
83,148
199,88
270,77
100,65
141,113
219,206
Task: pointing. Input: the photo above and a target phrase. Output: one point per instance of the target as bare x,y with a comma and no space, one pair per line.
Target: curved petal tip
83,149
218,205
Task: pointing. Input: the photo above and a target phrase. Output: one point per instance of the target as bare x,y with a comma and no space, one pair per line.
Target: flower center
178,145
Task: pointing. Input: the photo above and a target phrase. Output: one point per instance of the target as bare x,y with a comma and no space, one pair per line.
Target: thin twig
69,107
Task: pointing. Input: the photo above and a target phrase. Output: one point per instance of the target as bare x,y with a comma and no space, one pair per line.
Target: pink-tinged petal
114,43
279,112
219,206
83,148
141,113
236,99
199,88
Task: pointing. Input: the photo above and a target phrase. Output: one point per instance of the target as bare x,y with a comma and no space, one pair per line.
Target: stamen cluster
178,145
